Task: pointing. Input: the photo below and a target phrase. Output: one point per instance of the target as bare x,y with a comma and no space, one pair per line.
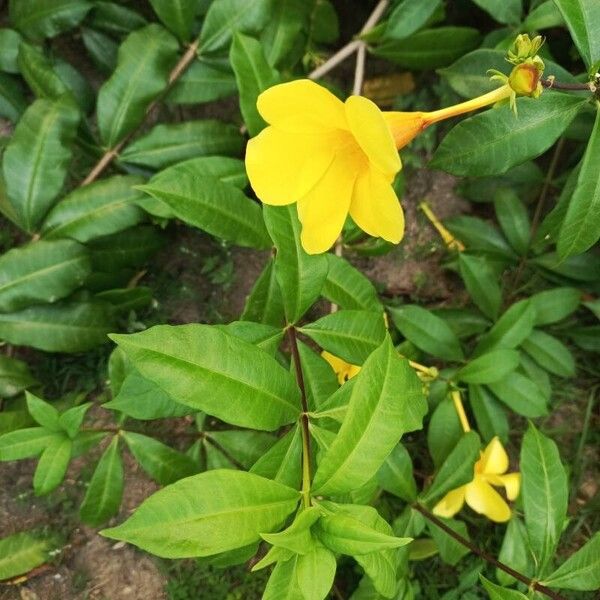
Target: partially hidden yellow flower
342,369
490,470
333,158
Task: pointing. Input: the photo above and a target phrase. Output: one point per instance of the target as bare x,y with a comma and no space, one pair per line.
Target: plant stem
576,87
530,583
460,411
177,71
303,419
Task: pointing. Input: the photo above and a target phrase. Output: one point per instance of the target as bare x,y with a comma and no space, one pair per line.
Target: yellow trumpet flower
490,470
342,369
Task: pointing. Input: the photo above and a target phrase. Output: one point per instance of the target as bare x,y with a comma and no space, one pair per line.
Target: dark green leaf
101,48
504,11
514,220
202,82
12,101
481,283
177,15
497,592
490,416
264,303
14,376
409,16
521,394
555,304
396,475
9,50
550,353
489,367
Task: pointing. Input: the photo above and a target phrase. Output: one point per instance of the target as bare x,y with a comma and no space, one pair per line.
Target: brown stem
530,583
112,153
576,87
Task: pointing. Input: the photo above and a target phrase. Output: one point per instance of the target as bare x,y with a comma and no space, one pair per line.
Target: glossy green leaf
515,551
206,514
20,553
61,327
202,82
550,353
521,394
209,370
24,443
545,494
144,61
177,15
114,18
506,140
263,336
9,50
301,276
497,592
41,272
514,220
396,474
52,466
264,304
409,16
386,402
320,381
37,157
489,367
481,283
489,415
253,75
554,305
580,228
504,11
167,144
105,491
583,19
427,332
39,19
15,376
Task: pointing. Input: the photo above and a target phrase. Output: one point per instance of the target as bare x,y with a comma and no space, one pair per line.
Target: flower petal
485,500
494,459
375,207
301,106
284,167
404,126
510,481
451,503
372,134
338,365
324,209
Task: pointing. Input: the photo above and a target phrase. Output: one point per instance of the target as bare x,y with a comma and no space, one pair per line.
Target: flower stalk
460,411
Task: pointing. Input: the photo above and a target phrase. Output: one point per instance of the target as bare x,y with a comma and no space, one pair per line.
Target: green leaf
37,157
283,582
177,15
451,551
24,443
246,446
583,19
581,571
9,50
545,495
12,101
427,332
543,16
164,464
115,19
264,336
580,228
315,572
320,381
506,140
201,83
52,465
20,553
296,538
409,16
489,367
489,414
554,305
550,353
41,272
15,376
386,402
480,236
497,592
504,11
209,370
514,220
167,144
210,202
349,334
100,208
70,421
253,75
347,287
101,48
206,514
224,17
144,60
43,413
582,267
105,491
40,19
444,431
521,394
301,276
396,475
430,48
282,461
457,469
481,283
264,303
515,551
61,327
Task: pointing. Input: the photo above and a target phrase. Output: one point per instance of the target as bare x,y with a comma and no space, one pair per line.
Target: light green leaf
396,474
9,50
15,376
554,305
315,572
264,303
349,334
264,336
37,157
386,402
427,331
283,582
202,82
301,276
105,491
70,421
550,353
481,283
581,571
144,60
101,208
580,228
444,431
41,272
545,495
177,15
451,551
504,139
43,413
209,370
521,394
167,144
320,380
52,465
497,592
246,446
61,327
583,19
409,16
253,75
504,11
515,551
296,538
20,553
206,514
282,461
24,443
489,367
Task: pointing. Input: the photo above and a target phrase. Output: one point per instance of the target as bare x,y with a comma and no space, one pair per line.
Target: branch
530,583
575,87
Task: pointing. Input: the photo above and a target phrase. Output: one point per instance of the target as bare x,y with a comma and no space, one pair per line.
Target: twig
530,583
575,87
112,153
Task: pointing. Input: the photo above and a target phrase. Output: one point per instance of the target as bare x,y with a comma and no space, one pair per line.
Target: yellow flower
490,470
343,370
333,158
